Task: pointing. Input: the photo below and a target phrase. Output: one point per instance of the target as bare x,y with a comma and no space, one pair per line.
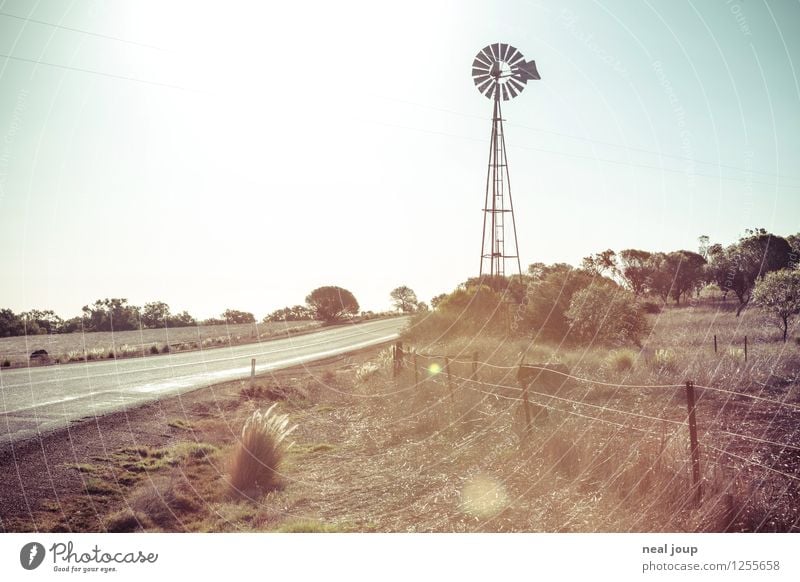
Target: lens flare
483,496
434,369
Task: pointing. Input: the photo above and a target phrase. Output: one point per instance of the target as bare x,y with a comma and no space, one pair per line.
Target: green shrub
606,313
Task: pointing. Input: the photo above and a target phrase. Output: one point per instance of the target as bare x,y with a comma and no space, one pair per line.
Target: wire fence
438,369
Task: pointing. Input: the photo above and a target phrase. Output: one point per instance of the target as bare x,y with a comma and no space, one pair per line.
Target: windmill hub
500,73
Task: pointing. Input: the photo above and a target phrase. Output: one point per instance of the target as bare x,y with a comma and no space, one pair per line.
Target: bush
154,349
622,360
606,313
6,363
258,455
651,307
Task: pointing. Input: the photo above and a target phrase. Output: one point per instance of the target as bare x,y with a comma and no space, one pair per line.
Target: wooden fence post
474,376
745,348
526,404
449,378
252,372
398,358
416,371
715,343
695,447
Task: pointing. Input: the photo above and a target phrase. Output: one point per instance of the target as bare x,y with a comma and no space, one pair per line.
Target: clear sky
230,154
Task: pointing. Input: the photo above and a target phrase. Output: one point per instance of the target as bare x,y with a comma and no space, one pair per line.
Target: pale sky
240,154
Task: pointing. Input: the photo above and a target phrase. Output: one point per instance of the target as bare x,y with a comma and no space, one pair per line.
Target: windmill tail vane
500,72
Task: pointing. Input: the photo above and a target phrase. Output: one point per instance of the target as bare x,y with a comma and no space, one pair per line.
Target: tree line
110,314
606,298
327,304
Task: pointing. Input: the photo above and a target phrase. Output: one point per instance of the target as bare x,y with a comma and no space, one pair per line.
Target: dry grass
426,453
257,458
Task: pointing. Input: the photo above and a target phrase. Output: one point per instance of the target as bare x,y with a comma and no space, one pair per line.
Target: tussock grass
126,521
308,526
622,360
258,455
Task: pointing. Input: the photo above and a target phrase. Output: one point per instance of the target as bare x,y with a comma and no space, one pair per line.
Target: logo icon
31,555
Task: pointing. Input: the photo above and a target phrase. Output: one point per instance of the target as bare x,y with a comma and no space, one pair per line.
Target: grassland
436,450
77,347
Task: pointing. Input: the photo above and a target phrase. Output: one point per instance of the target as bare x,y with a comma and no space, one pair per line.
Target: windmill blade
486,85
496,51
479,64
503,51
482,78
516,84
492,89
479,72
526,72
505,92
511,89
513,56
480,61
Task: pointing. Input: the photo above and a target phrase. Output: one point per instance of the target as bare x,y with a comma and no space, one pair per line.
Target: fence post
449,377
474,376
398,358
252,372
526,405
745,348
715,343
695,447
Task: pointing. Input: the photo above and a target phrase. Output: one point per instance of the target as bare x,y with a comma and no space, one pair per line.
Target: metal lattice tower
500,72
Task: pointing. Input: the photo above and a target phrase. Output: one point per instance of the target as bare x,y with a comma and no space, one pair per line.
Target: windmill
500,72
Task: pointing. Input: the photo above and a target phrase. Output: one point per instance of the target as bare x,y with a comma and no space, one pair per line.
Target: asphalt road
41,399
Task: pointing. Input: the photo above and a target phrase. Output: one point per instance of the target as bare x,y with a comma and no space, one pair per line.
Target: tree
601,263
155,314
437,300
111,315
182,319
404,299
37,321
10,324
737,267
779,294
331,303
606,313
675,274
635,270
294,313
236,316
548,298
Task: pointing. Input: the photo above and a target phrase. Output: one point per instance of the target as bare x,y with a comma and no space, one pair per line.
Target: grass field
71,347
438,449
